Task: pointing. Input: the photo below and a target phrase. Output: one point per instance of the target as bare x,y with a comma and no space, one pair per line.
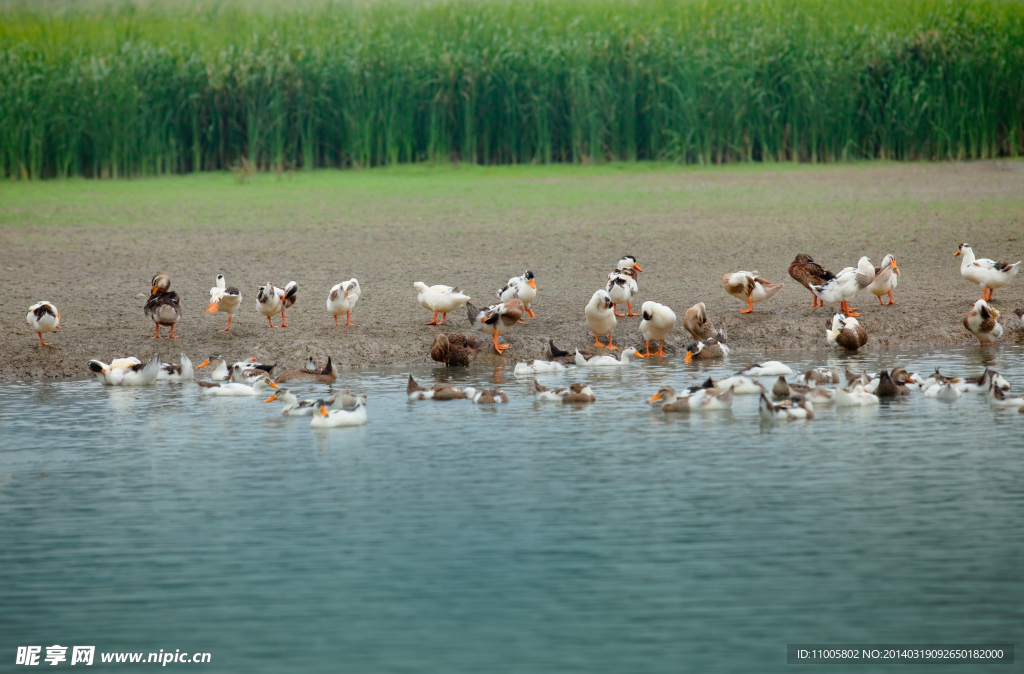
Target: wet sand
91,248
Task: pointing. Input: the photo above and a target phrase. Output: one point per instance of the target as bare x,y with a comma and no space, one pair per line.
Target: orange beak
893,263
689,355
205,363
152,291
271,399
957,253
637,267
533,284
323,410
212,308
656,396
272,385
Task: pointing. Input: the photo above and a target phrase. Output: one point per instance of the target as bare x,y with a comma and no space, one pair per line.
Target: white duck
522,288
224,299
271,300
439,299
887,277
946,391
43,317
485,397
220,368
749,287
987,273
176,373
600,315
126,371
325,418
855,397
529,367
292,406
740,385
983,322
658,322
621,286
342,299
769,368
234,389
606,361
996,398
846,284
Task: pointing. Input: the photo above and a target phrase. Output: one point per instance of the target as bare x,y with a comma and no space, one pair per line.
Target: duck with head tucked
163,305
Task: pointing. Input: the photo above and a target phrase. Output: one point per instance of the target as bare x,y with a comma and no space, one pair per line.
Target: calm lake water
451,537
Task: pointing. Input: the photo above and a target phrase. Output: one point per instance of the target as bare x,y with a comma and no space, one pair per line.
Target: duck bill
153,289
656,396
212,308
533,284
893,263
204,364
689,356
272,385
323,410
637,267
957,253
271,399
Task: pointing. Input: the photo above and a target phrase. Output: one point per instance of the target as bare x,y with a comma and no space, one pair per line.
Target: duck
997,398
911,380
241,373
522,288
749,287
982,321
658,323
292,406
622,286
855,396
343,399
325,376
485,397
987,273
220,368
454,349
342,300
697,323
671,404
788,410
946,391
740,385
436,392
43,317
229,389
495,318
528,367
606,361
854,378
807,272
126,371
983,382
440,299
887,277
818,375
845,333
821,396
769,368
163,305
576,393
708,349
325,418
564,357
887,387
271,301
934,381
176,373
600,315
783,389
845,286
224,299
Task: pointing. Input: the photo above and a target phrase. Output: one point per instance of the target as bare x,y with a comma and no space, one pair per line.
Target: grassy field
140,89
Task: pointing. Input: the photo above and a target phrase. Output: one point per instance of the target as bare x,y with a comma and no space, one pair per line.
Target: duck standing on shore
163,305
987,273
622,286
342,299
224,299
522,288
887,277
600,315
439,299
750,288
982,321
271,301
807,272
43,317
845,286
496,318
658,322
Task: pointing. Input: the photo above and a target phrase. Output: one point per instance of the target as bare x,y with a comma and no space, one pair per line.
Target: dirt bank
91,248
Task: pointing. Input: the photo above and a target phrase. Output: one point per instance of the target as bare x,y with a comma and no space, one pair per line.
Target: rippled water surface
451,537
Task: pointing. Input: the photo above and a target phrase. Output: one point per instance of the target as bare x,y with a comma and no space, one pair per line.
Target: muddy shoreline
686,228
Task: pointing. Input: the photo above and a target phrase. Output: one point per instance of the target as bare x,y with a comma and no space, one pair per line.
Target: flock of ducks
601,314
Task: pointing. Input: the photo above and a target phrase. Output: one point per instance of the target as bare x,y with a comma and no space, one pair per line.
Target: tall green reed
123,90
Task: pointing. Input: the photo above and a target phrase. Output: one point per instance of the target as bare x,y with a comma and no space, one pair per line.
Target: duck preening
163,305
982,321
179,372
43,317
224,299
845,333
708,349
845,286
564,357
126,371
342,300
750,288
658,323
271,301
495,318
454,349
807,273
600,315
439,299
987,273
622,286
522,288
697,323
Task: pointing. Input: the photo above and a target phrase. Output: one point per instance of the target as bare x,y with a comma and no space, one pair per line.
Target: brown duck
324,376
564,357
453,349
697,323
163,305
436,392
807,272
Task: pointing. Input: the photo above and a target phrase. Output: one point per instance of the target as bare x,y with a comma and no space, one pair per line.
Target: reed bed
128,90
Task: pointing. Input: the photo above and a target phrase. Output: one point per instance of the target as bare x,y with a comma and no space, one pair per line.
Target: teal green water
448,537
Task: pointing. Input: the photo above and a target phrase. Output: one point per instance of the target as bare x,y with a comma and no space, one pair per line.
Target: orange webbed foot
530,311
